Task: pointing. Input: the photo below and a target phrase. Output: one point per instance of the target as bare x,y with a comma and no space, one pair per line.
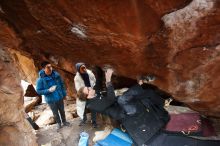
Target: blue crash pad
116,138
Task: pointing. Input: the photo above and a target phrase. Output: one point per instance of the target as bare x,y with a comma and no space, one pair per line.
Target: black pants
93,116
58,107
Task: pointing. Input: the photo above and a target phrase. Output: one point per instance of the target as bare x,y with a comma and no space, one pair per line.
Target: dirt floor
69,136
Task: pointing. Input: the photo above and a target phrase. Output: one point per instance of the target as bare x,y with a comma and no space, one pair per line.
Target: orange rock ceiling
176,41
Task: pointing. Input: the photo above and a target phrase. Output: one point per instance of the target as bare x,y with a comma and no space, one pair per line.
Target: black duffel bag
145,125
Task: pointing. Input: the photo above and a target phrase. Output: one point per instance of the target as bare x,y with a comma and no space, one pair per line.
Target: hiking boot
66,124
94,125
82,123
58,126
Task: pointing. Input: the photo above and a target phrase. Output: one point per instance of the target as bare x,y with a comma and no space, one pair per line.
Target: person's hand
52,89
140,82
108,74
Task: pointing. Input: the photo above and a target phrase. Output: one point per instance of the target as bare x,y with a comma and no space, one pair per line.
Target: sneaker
58,126
66,124
122,128
82,123
94,125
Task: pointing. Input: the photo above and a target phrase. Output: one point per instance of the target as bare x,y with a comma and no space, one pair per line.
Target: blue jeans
58,107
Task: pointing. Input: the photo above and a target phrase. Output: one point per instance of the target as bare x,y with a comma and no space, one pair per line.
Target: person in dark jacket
52,87
129,107
127,104
105,104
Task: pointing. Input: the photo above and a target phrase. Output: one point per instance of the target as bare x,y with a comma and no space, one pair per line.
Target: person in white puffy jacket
84,78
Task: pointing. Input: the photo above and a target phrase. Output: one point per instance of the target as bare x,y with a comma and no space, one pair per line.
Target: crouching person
52,87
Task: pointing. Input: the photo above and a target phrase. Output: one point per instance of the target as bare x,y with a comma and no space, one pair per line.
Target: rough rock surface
14,128
176,41
27,68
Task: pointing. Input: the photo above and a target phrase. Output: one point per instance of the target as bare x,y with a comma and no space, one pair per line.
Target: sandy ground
66,136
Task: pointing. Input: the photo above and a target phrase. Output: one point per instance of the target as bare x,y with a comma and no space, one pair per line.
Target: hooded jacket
80,105
44,82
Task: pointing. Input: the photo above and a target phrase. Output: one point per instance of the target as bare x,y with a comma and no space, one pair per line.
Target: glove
52,89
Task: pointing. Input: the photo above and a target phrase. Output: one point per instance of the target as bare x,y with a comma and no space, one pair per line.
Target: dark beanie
43,64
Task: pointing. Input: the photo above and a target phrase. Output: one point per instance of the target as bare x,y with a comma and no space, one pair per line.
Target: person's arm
92,79
110,91
39,88
109,86
78,83
63,86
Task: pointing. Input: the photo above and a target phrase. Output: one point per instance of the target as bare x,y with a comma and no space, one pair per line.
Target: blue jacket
44,82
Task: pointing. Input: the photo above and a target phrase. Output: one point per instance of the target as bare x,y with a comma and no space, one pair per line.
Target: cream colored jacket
80,105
